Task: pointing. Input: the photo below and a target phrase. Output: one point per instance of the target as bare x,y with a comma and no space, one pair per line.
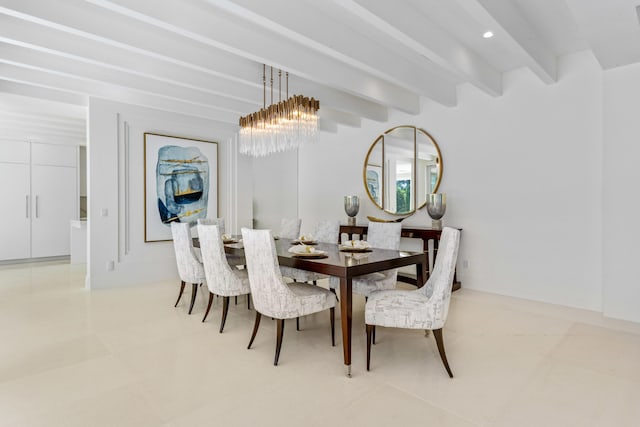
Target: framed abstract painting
180,183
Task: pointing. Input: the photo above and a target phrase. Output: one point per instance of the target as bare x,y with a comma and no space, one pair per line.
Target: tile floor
127,357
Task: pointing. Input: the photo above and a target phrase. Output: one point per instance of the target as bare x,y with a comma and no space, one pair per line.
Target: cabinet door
54,198
14,215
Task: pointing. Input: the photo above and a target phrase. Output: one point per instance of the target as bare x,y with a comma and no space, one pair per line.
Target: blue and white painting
180,183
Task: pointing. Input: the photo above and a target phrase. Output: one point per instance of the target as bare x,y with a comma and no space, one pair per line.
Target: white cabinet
15,228
40,197
54,197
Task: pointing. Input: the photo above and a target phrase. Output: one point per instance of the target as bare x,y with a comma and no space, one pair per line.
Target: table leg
425,268
420,272
345,317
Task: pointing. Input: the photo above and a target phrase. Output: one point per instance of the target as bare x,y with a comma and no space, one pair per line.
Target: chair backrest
438,287
212,221
220,276
189,268
384,235
290,228
270,294
327,231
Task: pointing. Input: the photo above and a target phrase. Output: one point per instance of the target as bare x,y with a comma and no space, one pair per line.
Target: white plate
316,254
304,242
354,249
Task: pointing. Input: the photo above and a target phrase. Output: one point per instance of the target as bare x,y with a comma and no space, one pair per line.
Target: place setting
307,251
355,246
305,239
227,239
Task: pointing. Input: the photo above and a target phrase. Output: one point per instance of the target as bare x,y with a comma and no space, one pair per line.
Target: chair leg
180,294
332,313
437,333
236,300
315,283
370,329
225,310
297,323
248,301
373,336
208,306
279,340
256,325
194,292
334,292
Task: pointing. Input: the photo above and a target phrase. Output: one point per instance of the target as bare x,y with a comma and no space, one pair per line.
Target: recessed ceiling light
487,35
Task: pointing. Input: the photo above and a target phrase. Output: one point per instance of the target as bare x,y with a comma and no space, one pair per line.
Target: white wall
275,189
522,173
621,201
116,184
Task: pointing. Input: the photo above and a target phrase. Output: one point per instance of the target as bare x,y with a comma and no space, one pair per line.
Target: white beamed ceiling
360,58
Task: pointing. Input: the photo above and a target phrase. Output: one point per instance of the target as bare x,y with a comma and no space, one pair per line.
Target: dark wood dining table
346,266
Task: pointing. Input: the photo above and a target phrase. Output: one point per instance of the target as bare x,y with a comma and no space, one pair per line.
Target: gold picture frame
180,183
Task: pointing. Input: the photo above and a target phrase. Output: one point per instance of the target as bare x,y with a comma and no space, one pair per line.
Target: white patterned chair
222,280
424,308
272,296
382,235
290,228
190,268
234,260
327,231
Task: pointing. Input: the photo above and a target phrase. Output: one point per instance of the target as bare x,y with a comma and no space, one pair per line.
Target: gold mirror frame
414,190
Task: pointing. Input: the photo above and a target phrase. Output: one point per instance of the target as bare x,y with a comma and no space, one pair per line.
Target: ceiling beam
327,126
339,117
609,23
505,21
126,81
47,79
48,94
41,124
215,26
428,40
53,120
37,136
307,23
35,127
218,71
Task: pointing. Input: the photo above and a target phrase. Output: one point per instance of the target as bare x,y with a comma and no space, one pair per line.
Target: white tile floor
126,357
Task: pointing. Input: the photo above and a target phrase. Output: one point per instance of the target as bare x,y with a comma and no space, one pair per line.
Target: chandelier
279,127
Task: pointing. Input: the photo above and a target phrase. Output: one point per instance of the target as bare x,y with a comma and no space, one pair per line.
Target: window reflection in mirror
403,166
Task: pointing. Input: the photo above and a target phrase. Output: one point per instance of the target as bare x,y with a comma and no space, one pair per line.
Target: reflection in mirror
373,177
403,166
427,167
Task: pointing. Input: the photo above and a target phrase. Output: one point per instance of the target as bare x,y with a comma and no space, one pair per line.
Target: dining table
345,265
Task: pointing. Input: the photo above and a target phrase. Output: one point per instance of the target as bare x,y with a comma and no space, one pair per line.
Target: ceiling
360,58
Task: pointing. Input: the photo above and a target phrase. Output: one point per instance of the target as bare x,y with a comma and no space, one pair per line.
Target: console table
424,233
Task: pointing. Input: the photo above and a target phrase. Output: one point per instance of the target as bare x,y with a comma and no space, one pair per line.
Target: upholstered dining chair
381,235
290,228
327,231
424,308
222,280
190,268
272,296
233,260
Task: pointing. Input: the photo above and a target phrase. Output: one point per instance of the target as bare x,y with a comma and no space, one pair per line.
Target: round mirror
403,165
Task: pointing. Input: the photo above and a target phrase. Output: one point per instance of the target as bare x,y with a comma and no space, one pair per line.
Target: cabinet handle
36,206
27,204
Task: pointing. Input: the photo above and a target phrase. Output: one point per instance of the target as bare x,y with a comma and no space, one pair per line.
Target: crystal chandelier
279,127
